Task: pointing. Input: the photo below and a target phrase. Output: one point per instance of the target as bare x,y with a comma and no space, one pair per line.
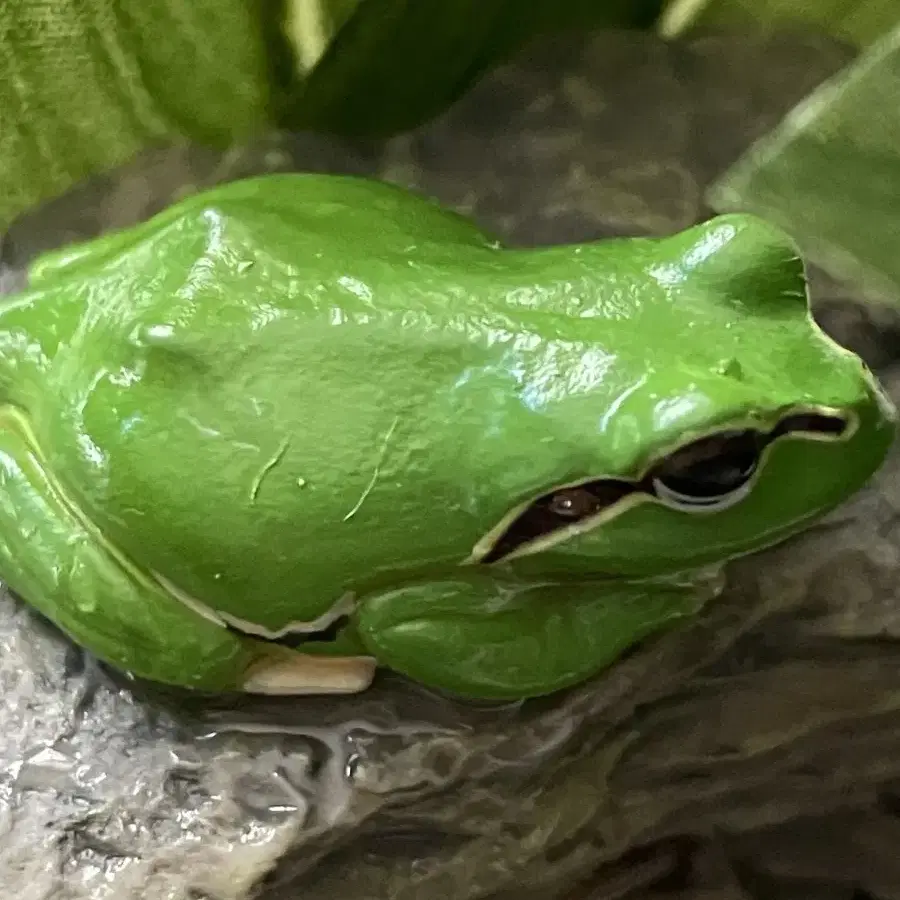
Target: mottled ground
753,754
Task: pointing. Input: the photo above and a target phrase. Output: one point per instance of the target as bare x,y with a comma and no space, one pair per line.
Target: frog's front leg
483,638
56,560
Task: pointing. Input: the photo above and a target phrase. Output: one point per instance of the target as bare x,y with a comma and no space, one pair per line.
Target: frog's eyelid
502,543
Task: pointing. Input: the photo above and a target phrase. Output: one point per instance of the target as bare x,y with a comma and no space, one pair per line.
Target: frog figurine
301,427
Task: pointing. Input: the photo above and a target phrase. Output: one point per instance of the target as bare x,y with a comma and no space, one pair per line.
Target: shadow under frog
302,426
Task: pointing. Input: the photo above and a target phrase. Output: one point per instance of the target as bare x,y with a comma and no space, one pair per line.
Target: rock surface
753,754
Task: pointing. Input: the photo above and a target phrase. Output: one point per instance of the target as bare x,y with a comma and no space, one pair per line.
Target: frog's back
289,214
250,358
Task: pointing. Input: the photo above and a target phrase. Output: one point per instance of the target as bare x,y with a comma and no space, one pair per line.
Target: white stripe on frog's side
190,602
286,672
342,607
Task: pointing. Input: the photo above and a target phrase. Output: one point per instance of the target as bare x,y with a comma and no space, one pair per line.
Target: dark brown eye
710,473
574,503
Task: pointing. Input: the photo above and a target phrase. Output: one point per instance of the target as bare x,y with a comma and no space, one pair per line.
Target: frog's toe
281,671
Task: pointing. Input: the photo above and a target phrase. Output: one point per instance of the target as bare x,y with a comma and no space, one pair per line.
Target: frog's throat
489,549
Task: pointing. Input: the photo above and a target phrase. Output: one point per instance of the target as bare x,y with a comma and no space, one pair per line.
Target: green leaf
857,21
830,173
86,85
394,63
310,26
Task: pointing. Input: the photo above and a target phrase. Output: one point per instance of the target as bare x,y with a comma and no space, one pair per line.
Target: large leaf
830,173
394,63
85,84
858,21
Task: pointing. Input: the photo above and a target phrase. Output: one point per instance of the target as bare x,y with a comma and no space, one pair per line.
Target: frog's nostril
731,368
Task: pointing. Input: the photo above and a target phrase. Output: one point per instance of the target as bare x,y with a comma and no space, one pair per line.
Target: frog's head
715,417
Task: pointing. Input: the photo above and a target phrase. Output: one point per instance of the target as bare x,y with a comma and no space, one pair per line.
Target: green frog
302,427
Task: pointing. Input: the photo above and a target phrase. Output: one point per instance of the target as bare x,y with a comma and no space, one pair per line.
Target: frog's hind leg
53,558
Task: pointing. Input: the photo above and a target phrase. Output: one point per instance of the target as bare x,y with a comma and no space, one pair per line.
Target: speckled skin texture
749,756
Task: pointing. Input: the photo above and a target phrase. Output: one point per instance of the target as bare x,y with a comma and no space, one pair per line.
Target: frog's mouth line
706,475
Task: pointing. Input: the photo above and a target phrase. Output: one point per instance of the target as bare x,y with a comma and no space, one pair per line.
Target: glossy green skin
297,389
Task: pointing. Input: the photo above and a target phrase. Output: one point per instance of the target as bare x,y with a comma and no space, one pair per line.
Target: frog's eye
709,474
573,503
